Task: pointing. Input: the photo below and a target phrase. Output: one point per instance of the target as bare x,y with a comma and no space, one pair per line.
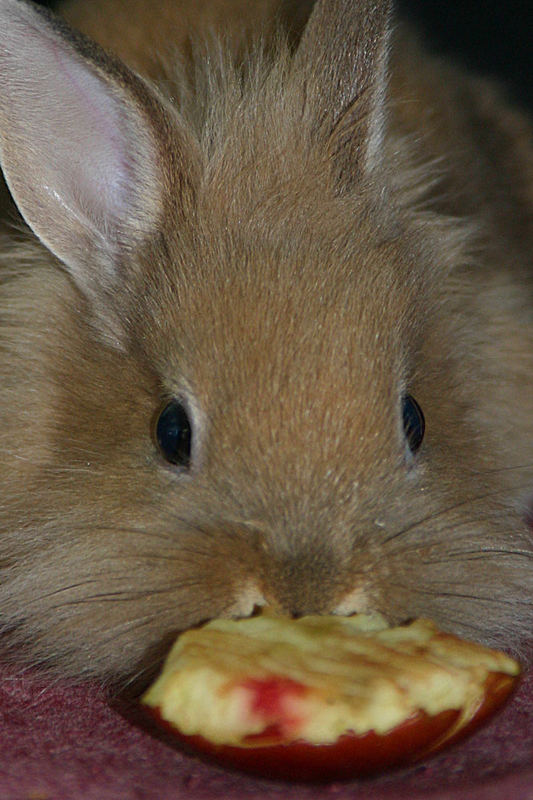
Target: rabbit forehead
315,334
351,277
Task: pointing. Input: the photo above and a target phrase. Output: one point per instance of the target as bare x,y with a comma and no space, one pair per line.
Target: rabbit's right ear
342,62
83,144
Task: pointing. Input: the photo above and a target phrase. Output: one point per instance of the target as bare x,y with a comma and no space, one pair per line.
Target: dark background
491,36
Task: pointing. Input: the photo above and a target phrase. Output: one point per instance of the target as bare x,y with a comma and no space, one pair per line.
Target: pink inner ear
96,169
78,131
78,153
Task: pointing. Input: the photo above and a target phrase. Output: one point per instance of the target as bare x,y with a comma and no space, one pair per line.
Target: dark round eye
174,434
413,422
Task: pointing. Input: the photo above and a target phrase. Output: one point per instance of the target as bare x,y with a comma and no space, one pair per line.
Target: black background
492,37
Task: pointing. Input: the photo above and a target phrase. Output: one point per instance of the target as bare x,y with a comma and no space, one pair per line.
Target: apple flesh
277,738
271,754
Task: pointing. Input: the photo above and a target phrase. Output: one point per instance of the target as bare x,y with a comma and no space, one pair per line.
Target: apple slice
322,698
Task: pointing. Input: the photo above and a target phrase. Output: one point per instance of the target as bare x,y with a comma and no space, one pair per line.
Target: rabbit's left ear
342,60
83,142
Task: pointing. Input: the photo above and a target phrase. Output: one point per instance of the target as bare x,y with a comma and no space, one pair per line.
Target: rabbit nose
299,588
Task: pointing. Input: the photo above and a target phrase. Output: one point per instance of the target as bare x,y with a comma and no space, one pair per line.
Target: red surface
62,742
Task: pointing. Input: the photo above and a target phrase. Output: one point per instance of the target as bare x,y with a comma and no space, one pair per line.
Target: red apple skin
498,689
352,756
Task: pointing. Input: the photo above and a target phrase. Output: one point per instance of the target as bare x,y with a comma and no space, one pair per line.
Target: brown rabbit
267,239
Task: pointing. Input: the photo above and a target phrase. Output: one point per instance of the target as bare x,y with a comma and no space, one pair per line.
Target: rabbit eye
413,423
174,434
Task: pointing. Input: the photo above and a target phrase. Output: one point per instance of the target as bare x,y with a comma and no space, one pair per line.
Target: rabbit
266,328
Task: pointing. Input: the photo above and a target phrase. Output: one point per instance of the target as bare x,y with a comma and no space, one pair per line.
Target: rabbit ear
81,143
342,60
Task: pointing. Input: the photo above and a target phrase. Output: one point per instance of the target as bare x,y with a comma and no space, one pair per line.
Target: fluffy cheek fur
109,553
101,585
98,560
